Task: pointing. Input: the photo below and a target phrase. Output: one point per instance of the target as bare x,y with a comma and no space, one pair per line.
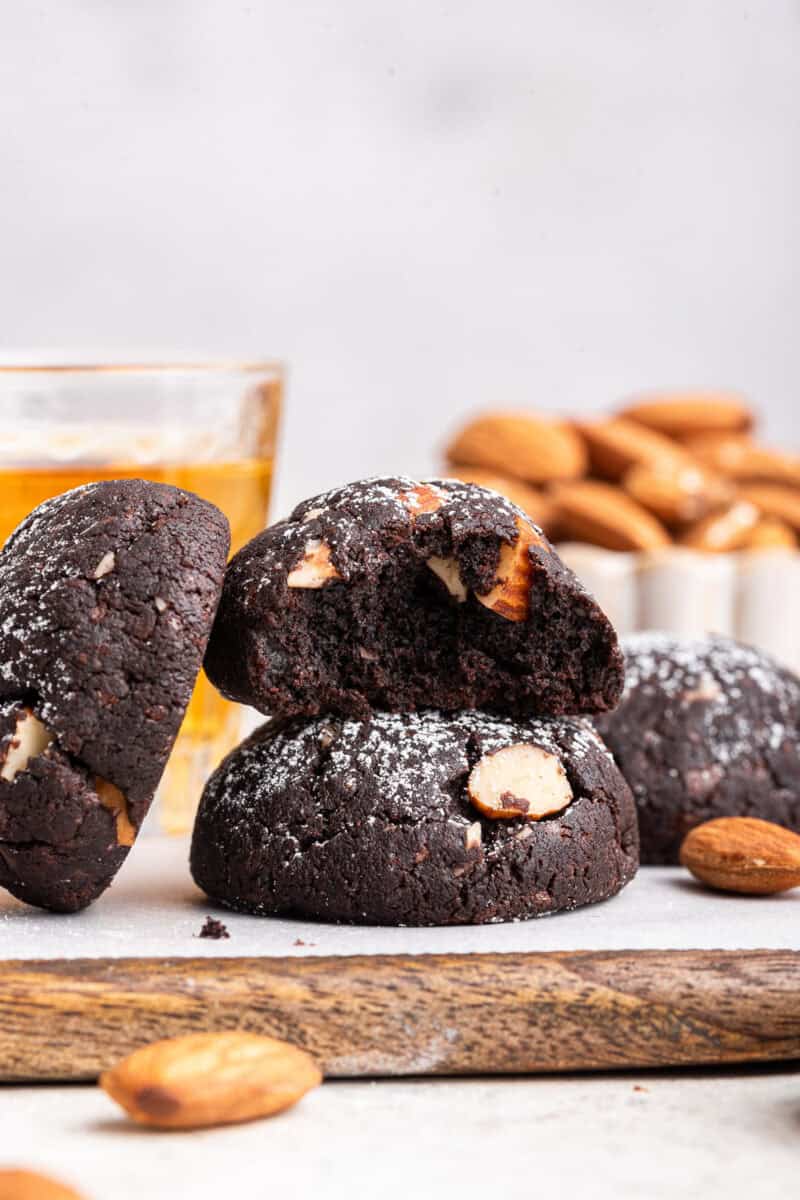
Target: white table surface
705,1135
153,908
713,1133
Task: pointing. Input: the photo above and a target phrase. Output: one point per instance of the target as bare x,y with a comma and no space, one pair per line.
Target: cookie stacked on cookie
425,658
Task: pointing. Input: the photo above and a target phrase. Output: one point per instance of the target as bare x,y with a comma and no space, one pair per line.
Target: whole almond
737,457
722,531
588,511
771,534
16,1183
687,414
743,854
615,445
210,1079
676,492
522,445
775,500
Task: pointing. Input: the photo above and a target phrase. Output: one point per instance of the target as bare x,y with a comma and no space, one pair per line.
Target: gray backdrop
425,206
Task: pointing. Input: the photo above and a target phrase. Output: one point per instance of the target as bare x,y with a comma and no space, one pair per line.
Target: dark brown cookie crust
107,596
386,633
370,822
706,728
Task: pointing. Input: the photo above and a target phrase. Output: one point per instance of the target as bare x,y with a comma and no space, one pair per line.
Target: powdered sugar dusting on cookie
748,701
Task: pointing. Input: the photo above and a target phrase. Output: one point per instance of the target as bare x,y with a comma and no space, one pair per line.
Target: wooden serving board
666,974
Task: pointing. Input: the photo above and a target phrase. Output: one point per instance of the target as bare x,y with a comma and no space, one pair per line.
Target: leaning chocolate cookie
706,728
107,597
396,595
424,818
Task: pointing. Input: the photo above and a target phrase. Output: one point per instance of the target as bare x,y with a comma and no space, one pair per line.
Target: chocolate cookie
107,596
424,818
396,595
706,728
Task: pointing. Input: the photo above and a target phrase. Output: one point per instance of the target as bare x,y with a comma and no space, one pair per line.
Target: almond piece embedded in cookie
603,515
29,740
315,568
425,498
511,595
448,571
687,414
519,781
522,445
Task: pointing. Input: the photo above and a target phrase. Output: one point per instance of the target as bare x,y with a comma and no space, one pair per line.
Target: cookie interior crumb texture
707,727
394,594
107,596
371,822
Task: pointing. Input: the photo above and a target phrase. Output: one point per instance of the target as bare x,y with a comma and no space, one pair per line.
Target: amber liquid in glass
241,489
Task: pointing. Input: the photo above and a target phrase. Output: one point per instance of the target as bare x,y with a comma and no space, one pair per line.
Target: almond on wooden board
604,515
523,445
727,529
686,414
615,445
676,492
16,1183
210,1079
743,854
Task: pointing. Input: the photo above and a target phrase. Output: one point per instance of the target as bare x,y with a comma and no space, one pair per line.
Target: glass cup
209,428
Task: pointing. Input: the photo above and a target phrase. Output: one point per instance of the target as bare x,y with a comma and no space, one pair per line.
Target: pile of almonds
667,469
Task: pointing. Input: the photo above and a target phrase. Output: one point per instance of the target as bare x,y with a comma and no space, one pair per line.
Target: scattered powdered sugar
749,702
409,758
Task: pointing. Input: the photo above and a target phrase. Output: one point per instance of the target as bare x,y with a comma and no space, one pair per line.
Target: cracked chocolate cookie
396,595
107,597
424,818
706,728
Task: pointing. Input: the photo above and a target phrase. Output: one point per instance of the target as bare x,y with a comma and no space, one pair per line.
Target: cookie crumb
300,942
213,929
637,1087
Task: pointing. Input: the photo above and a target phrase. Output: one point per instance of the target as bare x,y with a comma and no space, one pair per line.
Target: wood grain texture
412,1015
